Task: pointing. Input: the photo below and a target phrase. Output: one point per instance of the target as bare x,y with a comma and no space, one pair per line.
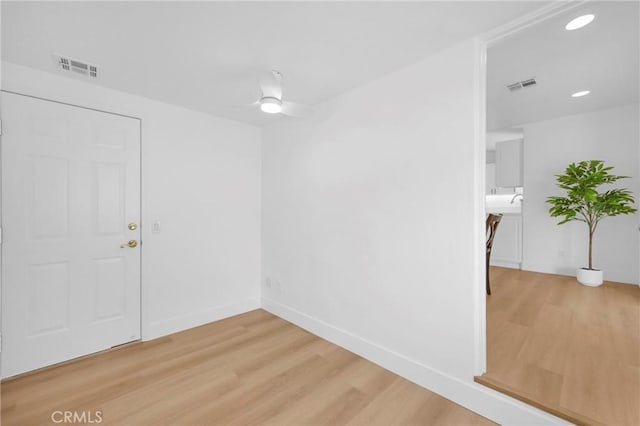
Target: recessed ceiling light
270,105
579,22
581,93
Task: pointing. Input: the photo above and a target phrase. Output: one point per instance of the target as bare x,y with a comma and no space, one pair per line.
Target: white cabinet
507,245
491,187
509,164
491,179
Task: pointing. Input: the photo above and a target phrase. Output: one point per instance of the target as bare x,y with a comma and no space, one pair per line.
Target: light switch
155,228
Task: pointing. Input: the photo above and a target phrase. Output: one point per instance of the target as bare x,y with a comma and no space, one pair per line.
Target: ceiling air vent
74,65
521,84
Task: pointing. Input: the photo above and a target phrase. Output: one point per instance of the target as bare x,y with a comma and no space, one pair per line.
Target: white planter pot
590,277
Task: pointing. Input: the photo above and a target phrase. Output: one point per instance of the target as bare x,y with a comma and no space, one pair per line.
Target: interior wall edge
528,20
184,322
484,401
479,155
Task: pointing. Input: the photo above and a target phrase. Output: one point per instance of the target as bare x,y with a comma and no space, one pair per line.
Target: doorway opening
552,342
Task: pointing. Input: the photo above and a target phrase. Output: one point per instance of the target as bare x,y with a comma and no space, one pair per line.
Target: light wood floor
254,368
564,346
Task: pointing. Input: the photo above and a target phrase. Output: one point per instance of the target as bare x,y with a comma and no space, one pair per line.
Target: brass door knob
130,243
132,227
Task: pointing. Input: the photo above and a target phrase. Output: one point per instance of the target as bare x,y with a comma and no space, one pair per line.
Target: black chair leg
488,286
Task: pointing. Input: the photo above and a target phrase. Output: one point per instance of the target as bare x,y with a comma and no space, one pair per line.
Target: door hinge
0,127
0,235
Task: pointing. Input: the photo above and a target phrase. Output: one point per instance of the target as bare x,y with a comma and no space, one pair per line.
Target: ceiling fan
271,100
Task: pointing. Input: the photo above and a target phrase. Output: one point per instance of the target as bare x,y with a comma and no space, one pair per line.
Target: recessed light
581,93
579,22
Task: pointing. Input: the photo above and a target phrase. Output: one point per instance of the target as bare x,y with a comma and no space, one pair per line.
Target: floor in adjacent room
564,347
254,368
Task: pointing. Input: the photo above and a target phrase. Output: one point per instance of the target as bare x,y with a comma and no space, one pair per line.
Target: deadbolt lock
130,243
132,227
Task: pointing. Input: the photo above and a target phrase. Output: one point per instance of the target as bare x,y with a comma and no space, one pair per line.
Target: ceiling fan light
270,105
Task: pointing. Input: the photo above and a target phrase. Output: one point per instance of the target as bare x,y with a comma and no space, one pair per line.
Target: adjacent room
274,213
561,92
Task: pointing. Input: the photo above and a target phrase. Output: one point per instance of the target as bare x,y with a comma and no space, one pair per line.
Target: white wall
369,211
0,200
373,226
201,179
611,135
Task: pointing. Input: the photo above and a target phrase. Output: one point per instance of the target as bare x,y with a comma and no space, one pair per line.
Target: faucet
513,199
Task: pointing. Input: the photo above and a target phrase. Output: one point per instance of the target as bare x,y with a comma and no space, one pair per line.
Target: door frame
485,41
143,292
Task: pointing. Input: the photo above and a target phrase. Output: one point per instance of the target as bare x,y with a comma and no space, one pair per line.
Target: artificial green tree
583,202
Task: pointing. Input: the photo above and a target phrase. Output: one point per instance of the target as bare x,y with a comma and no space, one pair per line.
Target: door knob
130,243
132,226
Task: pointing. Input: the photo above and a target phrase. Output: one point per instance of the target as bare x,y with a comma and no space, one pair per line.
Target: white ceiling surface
602,57
207,55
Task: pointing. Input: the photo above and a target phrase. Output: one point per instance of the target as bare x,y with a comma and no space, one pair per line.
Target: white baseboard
484,401
570,271
506,264
194,319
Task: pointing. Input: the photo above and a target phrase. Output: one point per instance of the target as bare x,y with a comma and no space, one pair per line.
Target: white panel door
70,189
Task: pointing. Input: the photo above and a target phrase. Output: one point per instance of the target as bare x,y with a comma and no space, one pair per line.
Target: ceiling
207,55
602,57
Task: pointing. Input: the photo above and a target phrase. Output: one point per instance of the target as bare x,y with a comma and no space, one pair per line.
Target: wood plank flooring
254,369
564,347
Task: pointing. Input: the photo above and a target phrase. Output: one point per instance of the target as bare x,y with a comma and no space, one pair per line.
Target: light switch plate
155,228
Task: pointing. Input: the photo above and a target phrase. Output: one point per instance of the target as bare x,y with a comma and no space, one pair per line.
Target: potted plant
584,203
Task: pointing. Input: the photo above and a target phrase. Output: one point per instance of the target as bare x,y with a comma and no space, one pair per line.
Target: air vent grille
521,84
76,66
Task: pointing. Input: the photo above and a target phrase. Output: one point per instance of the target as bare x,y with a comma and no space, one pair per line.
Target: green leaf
583,201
